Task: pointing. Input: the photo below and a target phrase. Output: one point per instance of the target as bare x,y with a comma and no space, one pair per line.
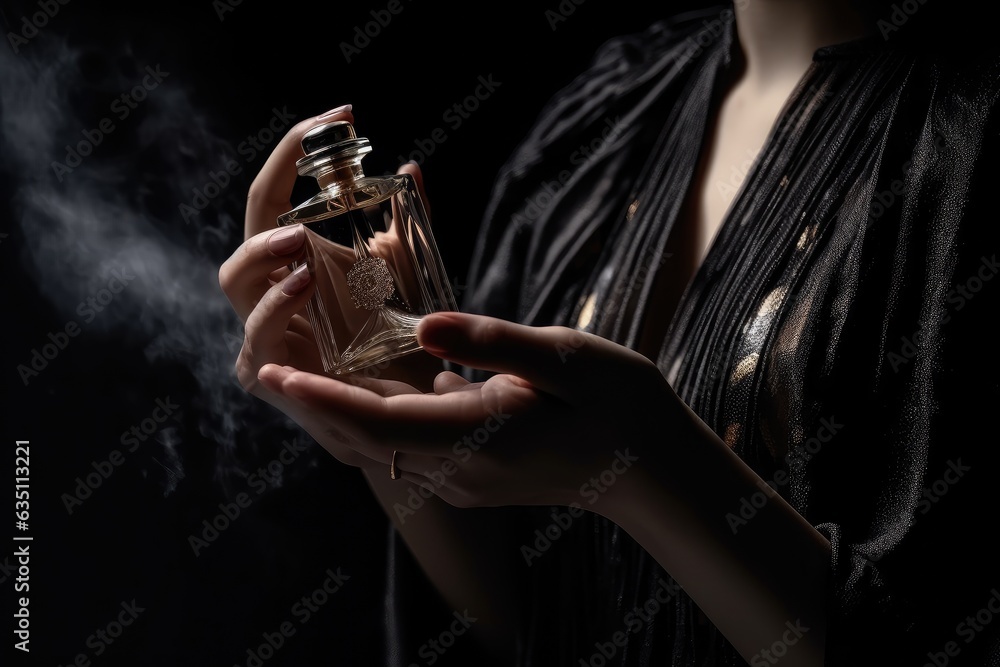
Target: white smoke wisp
118,210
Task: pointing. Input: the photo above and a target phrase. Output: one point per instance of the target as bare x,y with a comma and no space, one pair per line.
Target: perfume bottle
370,251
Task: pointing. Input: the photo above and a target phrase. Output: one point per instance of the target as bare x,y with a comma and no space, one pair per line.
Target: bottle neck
339,174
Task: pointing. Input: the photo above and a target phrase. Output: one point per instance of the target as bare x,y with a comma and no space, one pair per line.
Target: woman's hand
271,300
564,408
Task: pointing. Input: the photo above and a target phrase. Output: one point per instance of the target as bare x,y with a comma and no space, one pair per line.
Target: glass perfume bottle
370,251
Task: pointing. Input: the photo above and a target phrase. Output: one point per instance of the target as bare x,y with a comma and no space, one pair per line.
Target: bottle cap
328,143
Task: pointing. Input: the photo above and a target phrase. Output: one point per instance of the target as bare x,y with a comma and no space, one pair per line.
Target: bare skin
777,40
556,434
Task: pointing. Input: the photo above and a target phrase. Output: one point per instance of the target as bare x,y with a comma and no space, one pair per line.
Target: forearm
762,584
466,554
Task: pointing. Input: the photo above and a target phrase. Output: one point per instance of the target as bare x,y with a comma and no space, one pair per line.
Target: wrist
661,462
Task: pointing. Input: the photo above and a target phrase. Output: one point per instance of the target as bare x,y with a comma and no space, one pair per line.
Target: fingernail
296,281
331,112
285,241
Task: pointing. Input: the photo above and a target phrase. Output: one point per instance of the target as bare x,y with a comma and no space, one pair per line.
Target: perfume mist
370,251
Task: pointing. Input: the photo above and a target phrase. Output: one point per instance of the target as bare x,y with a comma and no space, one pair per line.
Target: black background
130,538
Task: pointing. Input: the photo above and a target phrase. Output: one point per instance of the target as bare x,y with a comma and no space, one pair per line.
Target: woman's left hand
567,414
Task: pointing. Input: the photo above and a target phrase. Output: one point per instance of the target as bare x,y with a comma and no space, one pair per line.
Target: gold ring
393,470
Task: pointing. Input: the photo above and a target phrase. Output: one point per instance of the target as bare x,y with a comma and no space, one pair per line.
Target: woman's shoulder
622,76
692,29
677,37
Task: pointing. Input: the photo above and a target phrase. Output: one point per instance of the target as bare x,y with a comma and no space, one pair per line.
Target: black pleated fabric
851,291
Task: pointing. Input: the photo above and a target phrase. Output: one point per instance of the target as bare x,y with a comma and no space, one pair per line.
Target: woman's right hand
271,300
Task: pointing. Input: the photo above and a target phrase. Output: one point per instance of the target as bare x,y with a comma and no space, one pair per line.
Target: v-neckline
698,163
623,325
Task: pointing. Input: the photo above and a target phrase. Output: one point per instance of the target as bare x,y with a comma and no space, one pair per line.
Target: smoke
102,148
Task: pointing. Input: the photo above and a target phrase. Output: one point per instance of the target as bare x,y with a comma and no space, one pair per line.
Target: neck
779,37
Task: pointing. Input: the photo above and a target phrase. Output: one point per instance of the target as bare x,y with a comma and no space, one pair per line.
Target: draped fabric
839,335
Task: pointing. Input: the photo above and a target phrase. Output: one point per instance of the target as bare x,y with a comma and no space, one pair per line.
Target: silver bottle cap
329,143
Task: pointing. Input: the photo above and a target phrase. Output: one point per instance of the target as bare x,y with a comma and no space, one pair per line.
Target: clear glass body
376,267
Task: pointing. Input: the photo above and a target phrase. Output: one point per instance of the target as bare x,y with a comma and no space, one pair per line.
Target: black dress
839,336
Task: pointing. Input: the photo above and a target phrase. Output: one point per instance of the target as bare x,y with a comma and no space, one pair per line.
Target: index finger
270,194
568,364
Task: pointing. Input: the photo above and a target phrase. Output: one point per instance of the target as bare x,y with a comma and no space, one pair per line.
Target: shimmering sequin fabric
839,335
